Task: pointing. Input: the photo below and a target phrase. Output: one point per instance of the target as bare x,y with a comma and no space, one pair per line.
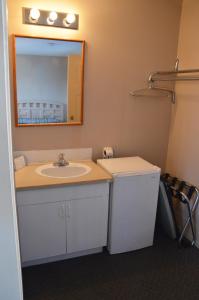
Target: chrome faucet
61,162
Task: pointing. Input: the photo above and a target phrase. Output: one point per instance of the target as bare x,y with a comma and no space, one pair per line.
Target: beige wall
125,40
183,151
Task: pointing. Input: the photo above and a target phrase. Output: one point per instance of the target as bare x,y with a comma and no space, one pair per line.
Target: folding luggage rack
189,196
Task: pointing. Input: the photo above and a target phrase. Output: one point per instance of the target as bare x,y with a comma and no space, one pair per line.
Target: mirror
48,81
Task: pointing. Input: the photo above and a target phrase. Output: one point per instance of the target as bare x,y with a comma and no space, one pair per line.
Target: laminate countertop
28,178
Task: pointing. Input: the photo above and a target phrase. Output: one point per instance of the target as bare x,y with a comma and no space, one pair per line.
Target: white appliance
133,203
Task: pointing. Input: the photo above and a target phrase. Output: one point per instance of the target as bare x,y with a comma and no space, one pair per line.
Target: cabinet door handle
68,210
61,212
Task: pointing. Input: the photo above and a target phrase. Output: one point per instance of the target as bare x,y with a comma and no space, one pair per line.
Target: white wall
42,78
10,268
183,149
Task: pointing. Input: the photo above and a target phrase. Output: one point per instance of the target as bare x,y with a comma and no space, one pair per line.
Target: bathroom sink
70,171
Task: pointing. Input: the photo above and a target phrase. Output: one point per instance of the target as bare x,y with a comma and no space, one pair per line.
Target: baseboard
61,257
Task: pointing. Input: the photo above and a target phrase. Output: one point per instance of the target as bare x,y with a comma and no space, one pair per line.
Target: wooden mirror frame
15,82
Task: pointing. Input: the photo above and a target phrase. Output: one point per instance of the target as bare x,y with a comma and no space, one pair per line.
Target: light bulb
53,16
69,19
34,14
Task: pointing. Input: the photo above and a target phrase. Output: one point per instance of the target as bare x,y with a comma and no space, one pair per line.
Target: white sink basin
70,171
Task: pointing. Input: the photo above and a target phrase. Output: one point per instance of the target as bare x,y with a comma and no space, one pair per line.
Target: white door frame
10,265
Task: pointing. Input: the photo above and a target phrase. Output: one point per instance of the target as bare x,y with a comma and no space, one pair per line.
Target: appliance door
133,206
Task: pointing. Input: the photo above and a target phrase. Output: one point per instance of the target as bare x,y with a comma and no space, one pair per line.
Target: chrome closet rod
174,79
171,76
176,72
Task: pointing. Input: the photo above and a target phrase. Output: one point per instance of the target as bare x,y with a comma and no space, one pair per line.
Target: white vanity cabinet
42,229
87,224
62,221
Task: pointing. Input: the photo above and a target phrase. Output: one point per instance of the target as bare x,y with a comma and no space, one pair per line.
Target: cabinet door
42,230
86,223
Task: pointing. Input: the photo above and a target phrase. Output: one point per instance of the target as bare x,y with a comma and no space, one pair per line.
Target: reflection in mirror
48,76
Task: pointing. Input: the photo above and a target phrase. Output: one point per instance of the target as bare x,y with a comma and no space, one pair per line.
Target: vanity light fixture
34,16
